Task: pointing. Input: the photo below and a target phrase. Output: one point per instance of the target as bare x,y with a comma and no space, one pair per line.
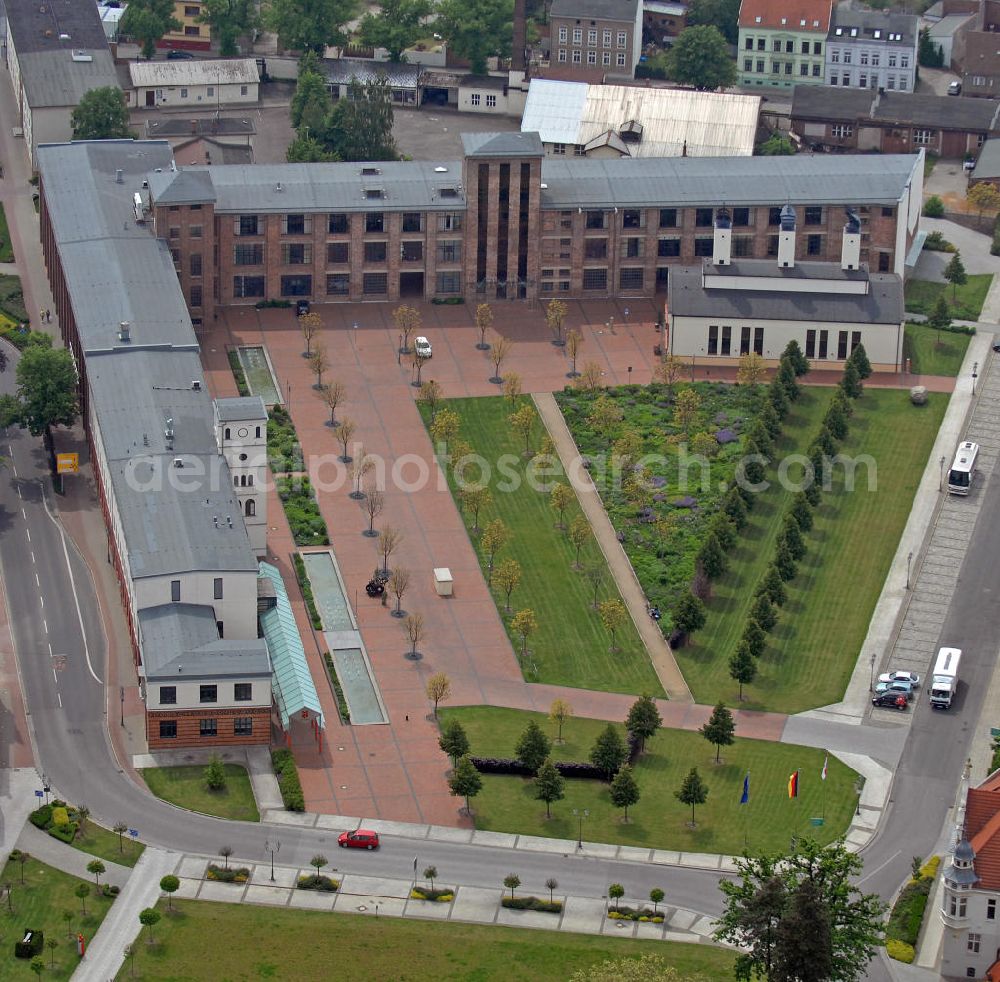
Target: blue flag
745,797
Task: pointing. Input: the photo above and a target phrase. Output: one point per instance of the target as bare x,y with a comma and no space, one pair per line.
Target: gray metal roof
55,79
831,102
868,22
988,164
691,181
624,10
38,26
183,187
947,26
689,297
181,642
214,125
194,71
502,145
237,408
340,71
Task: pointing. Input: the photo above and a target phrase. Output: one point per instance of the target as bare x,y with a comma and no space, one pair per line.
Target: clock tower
241,434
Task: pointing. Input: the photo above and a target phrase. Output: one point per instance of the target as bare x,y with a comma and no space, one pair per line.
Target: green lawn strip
12,298
101,842
185,786
967,304
210,941
6,249
931,353
507,804
813,649
39,905
571,646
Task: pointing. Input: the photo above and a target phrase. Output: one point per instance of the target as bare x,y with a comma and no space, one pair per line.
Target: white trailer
944,678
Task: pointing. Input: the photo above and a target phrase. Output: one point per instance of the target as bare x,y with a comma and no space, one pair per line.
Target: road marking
59,697
32,555
13,466
45,624
871,873
41,600
72,583
55,678
25,517
50,649
37,583
21,496
27,532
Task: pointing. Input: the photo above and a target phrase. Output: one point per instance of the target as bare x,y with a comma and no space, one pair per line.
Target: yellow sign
67,463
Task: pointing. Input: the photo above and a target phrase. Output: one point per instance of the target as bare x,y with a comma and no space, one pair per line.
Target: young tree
835,419
398,582
82,817
309,150
311,103
46,391
850,382
656,896
612,613
430,874
512,388
101,115
533,747
361,466
20,856
445,426
147,21
215,774
522,422
170,884
396,27
311,24
762,611
605,417
360,126
507,576
476,29
860,358
700,58
83,891
430,395
579,535
559,712
225,852
689,614
791,535
609,751
453,740
686,410
555,317
318,862
512,881
465,781
474,498
551,884
495,536
594,573
319,363
309,325
773,587
742,666
374,503
574,340
591,378
751,370
735,508
119,829
787,376
484,321
769,888
784,562
524,624
332,395
438,689
939,319
983,197
95,867
643,720
389,542
413,628
711,557
501,347
229,21
407,320
955,273
343,431
37,965
67,916
776,145
720,730
52,944
693,791
615,892
624,792
148,918
929,54
561,497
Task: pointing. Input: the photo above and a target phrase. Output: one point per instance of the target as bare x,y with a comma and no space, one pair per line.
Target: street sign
38,794
134,833
995,731
67,463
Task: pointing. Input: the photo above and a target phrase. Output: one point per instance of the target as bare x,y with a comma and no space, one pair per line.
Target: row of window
778,67
337,285
777,45
339,223
175,589
844,58
636,218
242,726
576,58
606,37
864,81
242,692
491,100
301,253
209,90
721,341
741,247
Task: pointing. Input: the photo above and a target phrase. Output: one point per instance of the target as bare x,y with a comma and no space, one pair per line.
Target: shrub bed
568,768
41,817
263,304
302,512
288,779
12,299
235,874
238,374
907,914
284,453
532,903
316,881
643,914
936,242
331,673
443,896
32,947
58,819
65,832
307,594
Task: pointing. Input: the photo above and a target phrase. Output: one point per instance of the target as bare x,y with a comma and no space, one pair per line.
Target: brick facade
189,727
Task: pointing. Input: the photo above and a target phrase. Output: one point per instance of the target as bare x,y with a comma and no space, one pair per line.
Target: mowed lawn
507,803
965,303
108,845
813,649
931,353
241,941
185,786
39,904
571,646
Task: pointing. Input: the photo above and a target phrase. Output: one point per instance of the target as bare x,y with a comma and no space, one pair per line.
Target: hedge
532,903
32,947
567,768
235,874
426,893
307,593
331,672
65,832
41,817
900,951
60,815
288,779
316,881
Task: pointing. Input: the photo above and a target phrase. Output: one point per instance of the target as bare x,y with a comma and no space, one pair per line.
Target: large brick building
507,223
595,39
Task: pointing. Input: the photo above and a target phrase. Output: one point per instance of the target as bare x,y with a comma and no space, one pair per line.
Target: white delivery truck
944,677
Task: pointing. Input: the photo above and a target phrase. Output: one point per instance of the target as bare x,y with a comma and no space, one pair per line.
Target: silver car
910,677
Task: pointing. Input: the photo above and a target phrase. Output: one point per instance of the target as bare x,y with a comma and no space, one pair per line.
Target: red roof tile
993,972
982,829
775,14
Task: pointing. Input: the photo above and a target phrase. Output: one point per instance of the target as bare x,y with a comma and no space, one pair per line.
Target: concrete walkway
52,852
621,569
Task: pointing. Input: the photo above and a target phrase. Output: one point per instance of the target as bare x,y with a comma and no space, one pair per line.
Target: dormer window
447,192
370,171
374,194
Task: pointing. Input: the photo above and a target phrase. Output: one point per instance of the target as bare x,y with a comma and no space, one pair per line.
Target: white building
194,82
726,308
871,49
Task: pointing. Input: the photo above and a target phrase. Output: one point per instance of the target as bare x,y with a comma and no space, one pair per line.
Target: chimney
786,238
119,179
124,332
518,59
850,254
722,246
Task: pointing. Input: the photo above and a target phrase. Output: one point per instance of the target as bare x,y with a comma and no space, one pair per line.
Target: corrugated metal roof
54,78
292,682
194,71
988,164
674,121
947,26
401,75
239,408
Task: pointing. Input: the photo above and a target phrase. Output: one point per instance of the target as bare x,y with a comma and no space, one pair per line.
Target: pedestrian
407,717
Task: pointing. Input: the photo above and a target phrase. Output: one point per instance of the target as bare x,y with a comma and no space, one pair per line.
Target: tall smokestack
518,57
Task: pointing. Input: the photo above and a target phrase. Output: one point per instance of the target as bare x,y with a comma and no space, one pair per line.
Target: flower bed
316,881
302,512
60,820
443,896
234,874
307,593
331,673
643,914
238,374
284,451
532,903
907,914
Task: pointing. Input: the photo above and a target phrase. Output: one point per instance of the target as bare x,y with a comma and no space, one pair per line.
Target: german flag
793,785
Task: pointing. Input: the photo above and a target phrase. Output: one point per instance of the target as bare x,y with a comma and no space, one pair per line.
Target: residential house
783,42
56,52
987,165
213,139
194,82
872,49
663,20
192,34
591,40
975,53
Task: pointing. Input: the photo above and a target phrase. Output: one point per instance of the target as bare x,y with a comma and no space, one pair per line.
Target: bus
963,468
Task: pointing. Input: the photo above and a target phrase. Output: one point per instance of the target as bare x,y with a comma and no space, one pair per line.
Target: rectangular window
174,233
296,254
595,248
841,345
805,47
824,338
630,278
742,246
668,218
816,70
814,245
168,729
606,58
577,58
632,248
741,217
713,339
563,34
375,284
242,692
591,57
338,284
904,61
863,58
338,252
703,246
835,56
727,340
774,216
168,695
411,252
595,279
592,37
748,64
748,44
758,340
845,79
217,588
595,219
810,343
622,39
760,66
449,282
703,217
744,340
775,67
208,727
208,693
296,286
957,906
776,44
562,54
247,225
337,224
772,245
491,102
375,222
175,591
451,222
620,61
184,92
375,252
243,726
875,59
668,247
855,340
578,35
195,231
606,38
847,57
991,910
248,286
413,221
863,80
883,262
194,264
814,215
474,99
248,254
974,942
923,138
841,131
817,47
892,60
632,218
761,44
296,224
803,69
244,90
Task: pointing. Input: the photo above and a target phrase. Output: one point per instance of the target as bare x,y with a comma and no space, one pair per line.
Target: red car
358,839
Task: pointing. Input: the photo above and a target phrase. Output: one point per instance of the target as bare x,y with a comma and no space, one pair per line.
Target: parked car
423,347
178,55
888,698
910,677
954,88
903,688
358,839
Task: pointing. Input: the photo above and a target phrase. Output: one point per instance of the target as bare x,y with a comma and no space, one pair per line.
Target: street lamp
629,374
581,815
871,678
975,375
909,559
941,475
272,848
121,696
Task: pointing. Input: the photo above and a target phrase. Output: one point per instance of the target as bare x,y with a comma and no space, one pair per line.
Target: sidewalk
52,852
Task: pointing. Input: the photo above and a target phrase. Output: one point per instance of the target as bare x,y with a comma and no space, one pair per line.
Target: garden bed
185,786
284,452
288,779
238,374
443,895
532,903
302,511
644,914
227,874
331,673
907,915
302,577
317,881
89,837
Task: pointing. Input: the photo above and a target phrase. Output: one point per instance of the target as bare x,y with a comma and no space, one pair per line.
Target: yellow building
192,33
